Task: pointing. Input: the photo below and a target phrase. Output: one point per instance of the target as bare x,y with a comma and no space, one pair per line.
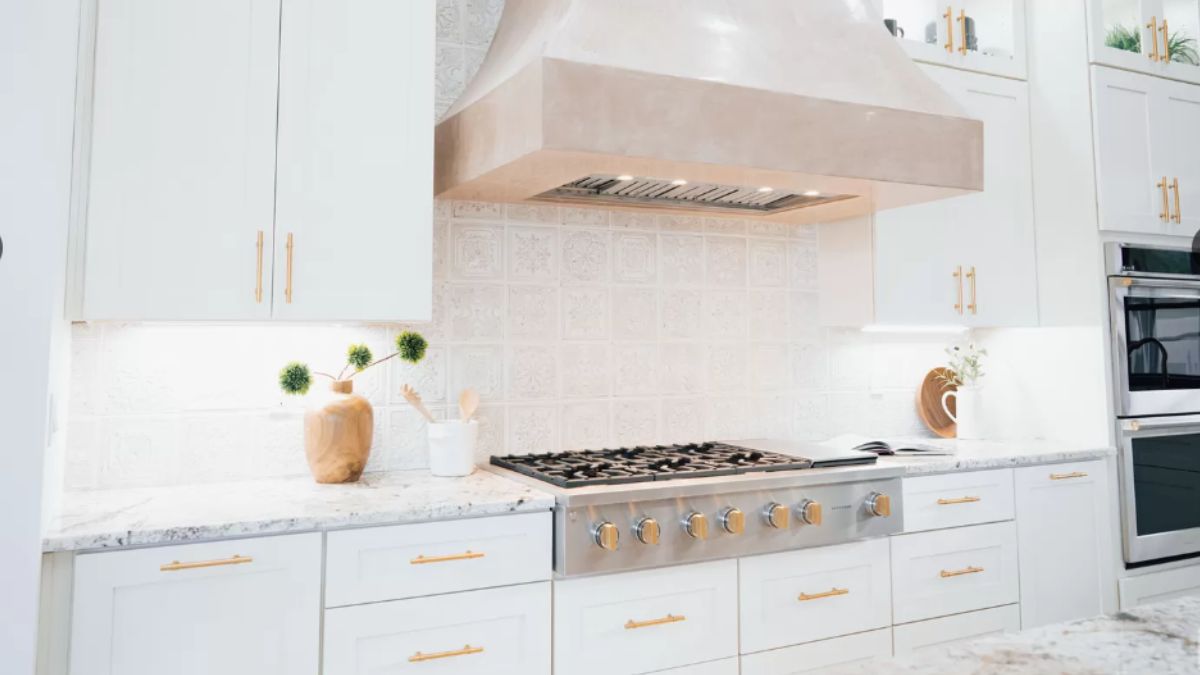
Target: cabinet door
981,35
1062,530
182,159
245,607
1151,36
354,207
1129,151
1180,127
818,656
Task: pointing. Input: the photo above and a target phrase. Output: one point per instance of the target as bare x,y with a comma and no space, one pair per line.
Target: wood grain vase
337,435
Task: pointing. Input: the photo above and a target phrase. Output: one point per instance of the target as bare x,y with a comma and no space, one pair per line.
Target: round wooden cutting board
929,403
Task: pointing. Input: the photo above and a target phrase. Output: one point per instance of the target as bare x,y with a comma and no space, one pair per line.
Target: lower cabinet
722,667
1159,586
239,607
640,622
500,631
910,637
814,656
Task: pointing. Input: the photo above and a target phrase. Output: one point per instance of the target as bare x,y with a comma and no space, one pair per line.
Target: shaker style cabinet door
354,209
986,36
182,167
238,607
1157,37
1180,127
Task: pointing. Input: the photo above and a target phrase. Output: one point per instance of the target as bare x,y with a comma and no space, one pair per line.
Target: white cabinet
239,607
969,259
501,631
1157,37
1180,127
982,35
910,637
817,656
1159,586
1063,528
722,667
957,499
248,163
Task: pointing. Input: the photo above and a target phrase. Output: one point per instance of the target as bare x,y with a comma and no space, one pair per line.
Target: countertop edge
928,466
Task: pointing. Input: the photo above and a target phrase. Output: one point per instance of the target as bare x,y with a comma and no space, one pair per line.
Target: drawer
951,571
955,499
723,667
499,631
404,561
815,656
913,636
800,596
639,622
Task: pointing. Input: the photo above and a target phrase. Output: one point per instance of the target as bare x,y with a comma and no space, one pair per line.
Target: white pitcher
966,401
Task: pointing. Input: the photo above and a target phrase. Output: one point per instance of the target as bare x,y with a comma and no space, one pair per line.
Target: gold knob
733,520
696,525
810,512
880,504
606,536
647,531
777,515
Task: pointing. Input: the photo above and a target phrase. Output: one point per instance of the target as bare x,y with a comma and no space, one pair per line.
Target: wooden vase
337,435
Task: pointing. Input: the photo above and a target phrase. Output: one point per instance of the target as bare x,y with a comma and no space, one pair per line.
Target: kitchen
645,273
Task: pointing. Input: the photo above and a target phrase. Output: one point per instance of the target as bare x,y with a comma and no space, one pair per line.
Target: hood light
764,189
624,176
679,181
812,193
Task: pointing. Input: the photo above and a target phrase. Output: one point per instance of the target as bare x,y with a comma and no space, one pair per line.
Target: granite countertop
106,519
1162,638
978,455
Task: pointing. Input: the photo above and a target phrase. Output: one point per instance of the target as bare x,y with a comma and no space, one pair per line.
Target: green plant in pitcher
296,377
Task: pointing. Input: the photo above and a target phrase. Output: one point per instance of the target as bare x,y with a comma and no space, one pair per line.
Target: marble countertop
1162,638
978,455
135,517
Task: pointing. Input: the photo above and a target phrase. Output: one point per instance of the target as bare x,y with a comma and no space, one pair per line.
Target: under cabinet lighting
884,328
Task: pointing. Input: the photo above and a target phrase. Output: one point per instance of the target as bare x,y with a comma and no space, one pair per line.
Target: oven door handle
1149,424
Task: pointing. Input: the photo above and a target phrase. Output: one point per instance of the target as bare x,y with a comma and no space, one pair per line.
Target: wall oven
1160,487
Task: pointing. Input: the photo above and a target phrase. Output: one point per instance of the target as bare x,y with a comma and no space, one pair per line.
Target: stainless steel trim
1113,266
1145,403
1135,547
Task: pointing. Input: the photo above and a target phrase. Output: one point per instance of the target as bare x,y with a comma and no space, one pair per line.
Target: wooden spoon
414,399
468,403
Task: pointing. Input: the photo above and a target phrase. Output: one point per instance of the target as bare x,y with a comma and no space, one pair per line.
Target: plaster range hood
792,110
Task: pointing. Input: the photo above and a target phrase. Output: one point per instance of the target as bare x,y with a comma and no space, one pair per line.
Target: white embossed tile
681,368
532,312
768,263
532,213
480,367
407,442
472,60
768,314
476,251
572,215
635,369
724,226
682,259
683,420
804,318
802,264
450,23
635,422
428,377
449,76
585,370
585,313
585,256
770,416
585,425
532,429
485,210
633,220
725,315
810,364
725,260
474,312
482,19
728,417
682,312
634,313
491,433
769,228
635,257
727,367
769,367
532,253
680,223
810,417
532,372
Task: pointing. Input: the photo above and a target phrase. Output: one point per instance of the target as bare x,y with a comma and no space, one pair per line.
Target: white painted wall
37,89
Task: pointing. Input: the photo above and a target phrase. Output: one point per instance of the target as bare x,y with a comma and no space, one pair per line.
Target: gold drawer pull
465,651
959,500
291,249
827,594
175,565
949,17
1165,214
670,618
1178,217
468,555
1065,476
959,573
258,287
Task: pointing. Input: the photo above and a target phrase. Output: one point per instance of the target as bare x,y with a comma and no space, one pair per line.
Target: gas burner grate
647,463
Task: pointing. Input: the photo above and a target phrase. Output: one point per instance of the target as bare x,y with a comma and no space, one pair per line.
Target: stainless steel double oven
1154,309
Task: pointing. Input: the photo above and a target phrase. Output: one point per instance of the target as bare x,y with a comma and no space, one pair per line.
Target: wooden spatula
414,399
468,403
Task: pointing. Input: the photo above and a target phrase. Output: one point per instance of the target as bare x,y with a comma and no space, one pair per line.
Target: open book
880,447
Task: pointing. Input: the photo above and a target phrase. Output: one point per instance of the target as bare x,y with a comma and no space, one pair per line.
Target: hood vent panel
607,190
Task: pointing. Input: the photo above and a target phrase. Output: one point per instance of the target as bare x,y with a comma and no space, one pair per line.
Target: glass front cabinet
1158,37
986,36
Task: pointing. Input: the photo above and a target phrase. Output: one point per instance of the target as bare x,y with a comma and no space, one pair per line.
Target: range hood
792,110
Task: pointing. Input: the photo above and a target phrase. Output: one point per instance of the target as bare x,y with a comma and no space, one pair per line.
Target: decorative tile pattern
532,312
725,315
585,425
769,367
802,264
585,217
681,368
768,263
727,369
480,367
768,315
634,313
585,370
681,314
682,260
635,369
532,428
532,372
725,260
477,251
635,422
585,313
634,257
584,256
532,253
683,420
474,312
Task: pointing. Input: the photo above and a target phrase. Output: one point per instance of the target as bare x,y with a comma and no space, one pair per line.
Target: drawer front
405,561
800,596
913,636
639,622
722,667
815,656
952,500
499,631
951,571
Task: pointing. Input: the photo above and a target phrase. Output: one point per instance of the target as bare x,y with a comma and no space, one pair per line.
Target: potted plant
338,428
961,378
1180,47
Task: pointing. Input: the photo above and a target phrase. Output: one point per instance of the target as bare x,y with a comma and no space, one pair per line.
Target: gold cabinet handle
432,656
962,32
175,565
1165,214
1153,26
423,560
974,304
958,306
1166,52
833,592
959,500
949,17
670,618
258,272
958,573
1067,476
291,246
1178,217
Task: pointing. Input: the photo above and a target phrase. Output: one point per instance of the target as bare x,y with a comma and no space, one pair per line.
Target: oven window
1163,343
1166,483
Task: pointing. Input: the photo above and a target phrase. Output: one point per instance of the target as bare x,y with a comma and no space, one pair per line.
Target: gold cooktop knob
777,515
810,512
696,525
646,530
606,536
733,520
879,504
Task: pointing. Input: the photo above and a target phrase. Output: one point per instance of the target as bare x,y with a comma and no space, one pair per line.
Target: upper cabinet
259,159
1151,36
987,36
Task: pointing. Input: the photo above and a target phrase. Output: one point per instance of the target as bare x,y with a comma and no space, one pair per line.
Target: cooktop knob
810,512
777,515
733,520
606,536
879,504
646,530
696,525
